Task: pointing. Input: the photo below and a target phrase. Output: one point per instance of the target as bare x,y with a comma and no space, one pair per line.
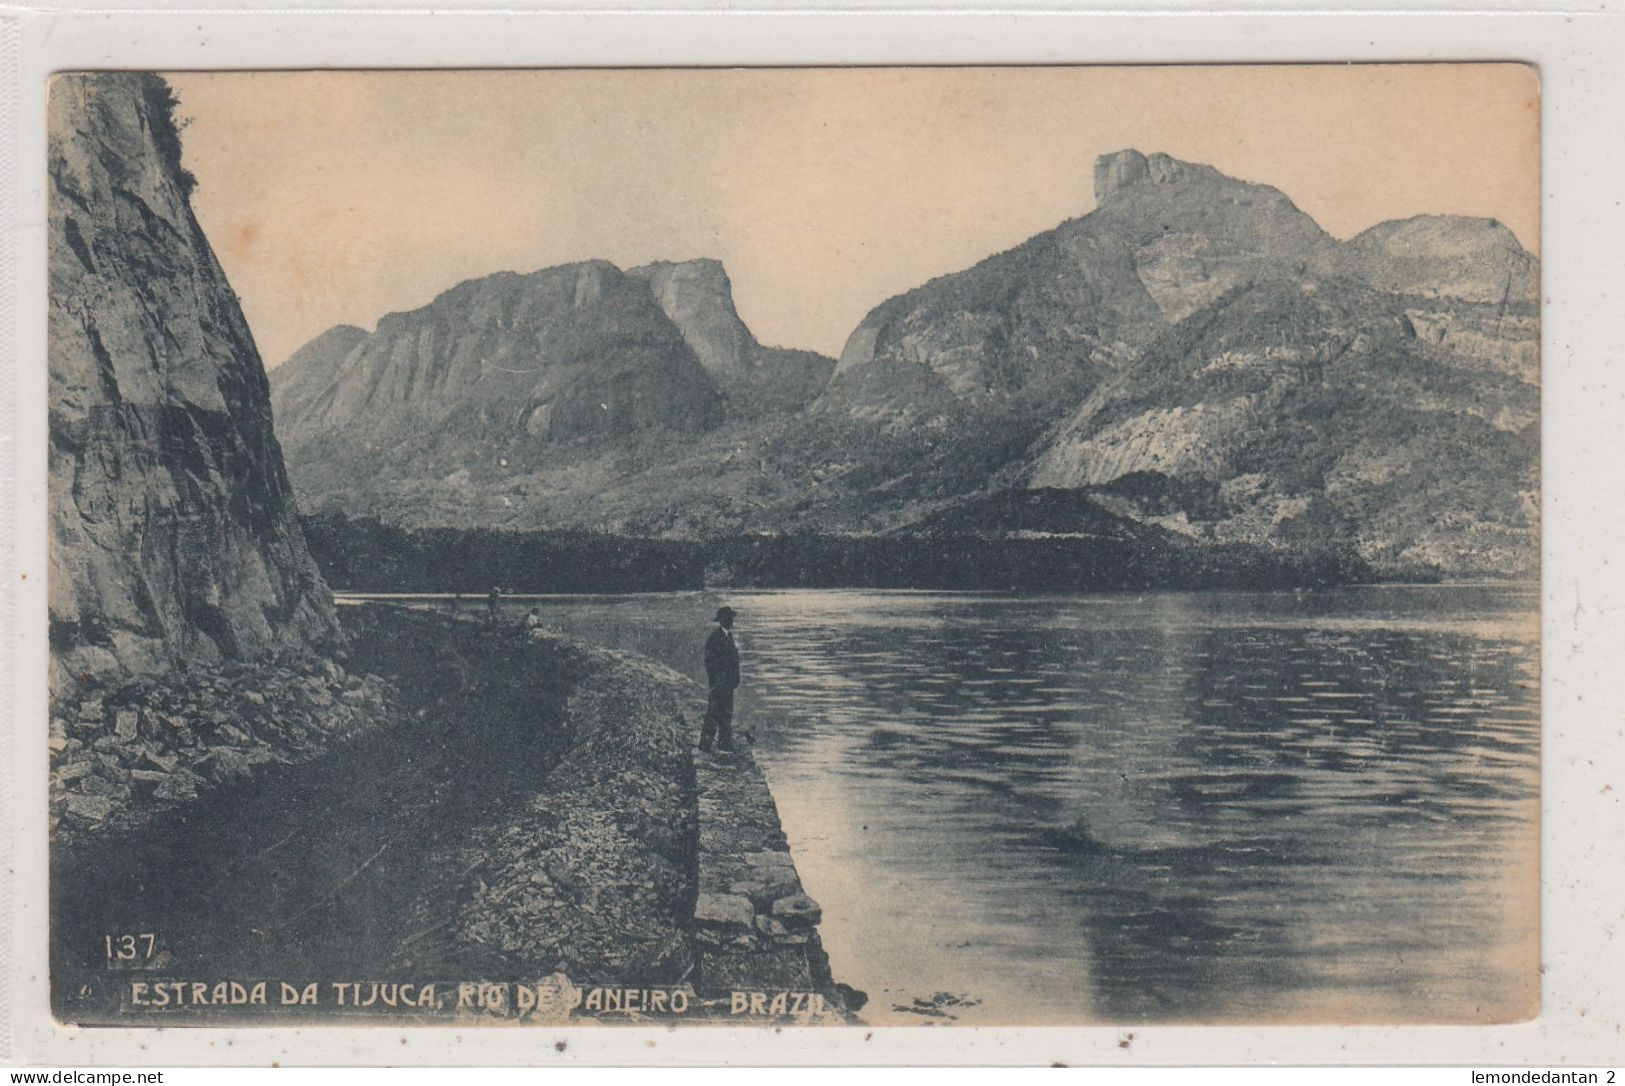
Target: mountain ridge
1186,331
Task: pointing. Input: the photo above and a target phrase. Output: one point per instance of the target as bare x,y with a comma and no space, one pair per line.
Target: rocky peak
1128,168
1196,233
339,339
1474,259
697,297
702,269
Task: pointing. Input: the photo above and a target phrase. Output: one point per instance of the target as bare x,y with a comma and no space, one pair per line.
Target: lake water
1219,806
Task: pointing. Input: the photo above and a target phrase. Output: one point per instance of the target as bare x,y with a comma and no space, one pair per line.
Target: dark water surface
1172,806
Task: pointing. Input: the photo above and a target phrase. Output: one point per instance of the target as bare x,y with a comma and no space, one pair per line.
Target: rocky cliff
496,376
698,298
756,380
174,535
1296,413
300,381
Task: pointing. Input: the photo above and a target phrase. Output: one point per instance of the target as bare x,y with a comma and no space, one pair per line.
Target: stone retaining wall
755,928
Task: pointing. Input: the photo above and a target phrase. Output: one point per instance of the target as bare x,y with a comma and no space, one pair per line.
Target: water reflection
1221,806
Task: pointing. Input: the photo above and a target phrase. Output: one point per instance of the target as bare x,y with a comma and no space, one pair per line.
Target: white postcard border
1583,331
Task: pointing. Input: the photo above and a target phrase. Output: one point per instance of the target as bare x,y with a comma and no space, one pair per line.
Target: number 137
127,948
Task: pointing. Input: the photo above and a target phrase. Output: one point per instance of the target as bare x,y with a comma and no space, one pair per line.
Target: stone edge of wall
755,929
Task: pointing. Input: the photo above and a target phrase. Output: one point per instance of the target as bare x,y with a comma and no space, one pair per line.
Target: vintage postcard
900,547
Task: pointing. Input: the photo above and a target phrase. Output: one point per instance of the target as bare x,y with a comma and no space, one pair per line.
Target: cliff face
1196,234
1030,327
574,351
300,381
174,535
499,374
698,298
1315,411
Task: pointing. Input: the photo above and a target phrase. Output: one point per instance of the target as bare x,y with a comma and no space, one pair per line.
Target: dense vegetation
367,555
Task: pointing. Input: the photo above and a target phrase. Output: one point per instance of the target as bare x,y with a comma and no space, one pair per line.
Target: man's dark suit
722,673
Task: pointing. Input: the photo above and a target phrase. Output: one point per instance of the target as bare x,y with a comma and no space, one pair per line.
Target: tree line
364,554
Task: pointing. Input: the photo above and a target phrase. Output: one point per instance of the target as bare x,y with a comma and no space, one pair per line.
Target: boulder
724,911
95,785
89,808
797,910
767,885
180,788
73,770
771,927
768,858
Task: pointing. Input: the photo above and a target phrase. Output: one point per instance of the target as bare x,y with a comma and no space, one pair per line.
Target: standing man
492,602
722,673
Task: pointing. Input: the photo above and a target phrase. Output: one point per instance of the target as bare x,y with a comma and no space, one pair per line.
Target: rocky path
318,870
534,809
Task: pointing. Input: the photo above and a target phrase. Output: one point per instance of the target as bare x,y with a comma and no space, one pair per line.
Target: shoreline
558,835
474,601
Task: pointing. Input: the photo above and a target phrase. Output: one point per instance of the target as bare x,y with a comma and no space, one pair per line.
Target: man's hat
722,612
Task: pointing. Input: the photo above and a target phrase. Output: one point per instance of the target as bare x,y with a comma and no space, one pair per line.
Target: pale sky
337,197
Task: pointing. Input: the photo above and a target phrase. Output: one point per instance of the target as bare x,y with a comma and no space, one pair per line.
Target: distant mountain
308,372
575,351
1281,388
493,374
1040,325
1447,256
1195,355
513,372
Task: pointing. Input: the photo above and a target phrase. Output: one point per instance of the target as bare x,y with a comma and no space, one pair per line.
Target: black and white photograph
902,547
